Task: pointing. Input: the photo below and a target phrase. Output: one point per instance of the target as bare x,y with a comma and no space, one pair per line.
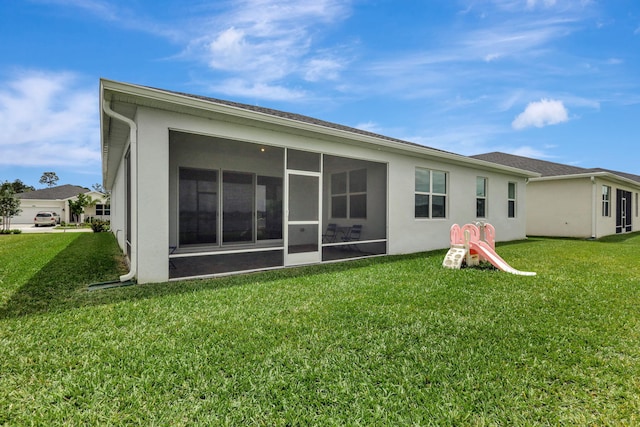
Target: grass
385,341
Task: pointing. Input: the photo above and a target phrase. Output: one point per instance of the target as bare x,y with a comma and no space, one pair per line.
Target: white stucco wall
572,207
560,208
406,234
606,225
152,196
118,206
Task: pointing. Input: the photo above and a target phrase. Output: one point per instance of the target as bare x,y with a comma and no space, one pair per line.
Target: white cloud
245,88
120,15
541,113
547,3
369,127
466,138
263,42
492,57
48,119
513,38
318,69
527,151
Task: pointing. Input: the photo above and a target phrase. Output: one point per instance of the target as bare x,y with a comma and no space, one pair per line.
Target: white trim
225,252
613,177
353,243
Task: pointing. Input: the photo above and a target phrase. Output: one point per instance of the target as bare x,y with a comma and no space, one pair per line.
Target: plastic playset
475,243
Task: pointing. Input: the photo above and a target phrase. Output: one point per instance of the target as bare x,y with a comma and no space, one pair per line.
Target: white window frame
606,201
431,193
512,200
483,196
104,209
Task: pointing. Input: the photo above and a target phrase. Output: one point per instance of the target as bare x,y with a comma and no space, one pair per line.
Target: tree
100,189
77,206
49,179
9,205
21,187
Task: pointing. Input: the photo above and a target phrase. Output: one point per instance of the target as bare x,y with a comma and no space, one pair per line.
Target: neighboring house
203,187
570,201
56,199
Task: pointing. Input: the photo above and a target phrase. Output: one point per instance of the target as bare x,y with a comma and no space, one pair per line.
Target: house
570,201
204,187
56,199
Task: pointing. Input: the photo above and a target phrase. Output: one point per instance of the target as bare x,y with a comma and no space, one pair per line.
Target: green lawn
387,341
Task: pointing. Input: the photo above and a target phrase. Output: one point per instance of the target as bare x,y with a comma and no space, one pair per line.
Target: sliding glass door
242,208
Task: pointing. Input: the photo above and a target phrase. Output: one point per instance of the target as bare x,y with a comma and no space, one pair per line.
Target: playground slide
486,251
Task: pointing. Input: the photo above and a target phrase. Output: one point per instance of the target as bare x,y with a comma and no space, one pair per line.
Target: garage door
29,212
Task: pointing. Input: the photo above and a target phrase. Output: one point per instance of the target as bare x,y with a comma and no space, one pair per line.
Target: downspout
133,141
594,207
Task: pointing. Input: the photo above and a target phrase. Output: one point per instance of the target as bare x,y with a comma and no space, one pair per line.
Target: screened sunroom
240,206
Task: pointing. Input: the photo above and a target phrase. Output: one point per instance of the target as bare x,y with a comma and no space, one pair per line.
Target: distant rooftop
545,168
60,192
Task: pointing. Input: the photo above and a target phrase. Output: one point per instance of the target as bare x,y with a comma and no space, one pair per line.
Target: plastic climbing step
454,257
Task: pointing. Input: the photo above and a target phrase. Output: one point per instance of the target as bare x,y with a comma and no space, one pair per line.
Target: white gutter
594,207
133,143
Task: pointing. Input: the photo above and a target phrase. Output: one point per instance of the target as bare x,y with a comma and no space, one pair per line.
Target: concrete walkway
30,228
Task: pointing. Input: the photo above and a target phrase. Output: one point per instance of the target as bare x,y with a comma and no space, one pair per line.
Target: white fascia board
41,200
91,193
203,104
605,175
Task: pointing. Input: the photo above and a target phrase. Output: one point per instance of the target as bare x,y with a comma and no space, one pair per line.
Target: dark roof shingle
299,118
543,167
60,192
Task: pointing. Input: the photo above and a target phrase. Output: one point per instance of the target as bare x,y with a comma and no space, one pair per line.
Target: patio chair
330,234
172,249
353,235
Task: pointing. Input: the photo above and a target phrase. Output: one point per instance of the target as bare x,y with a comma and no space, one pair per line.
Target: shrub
15,231
100,225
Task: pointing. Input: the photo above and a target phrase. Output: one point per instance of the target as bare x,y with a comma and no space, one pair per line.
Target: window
511,200
481,197
430,194
636,205
103,210
349,194
606,200
198,206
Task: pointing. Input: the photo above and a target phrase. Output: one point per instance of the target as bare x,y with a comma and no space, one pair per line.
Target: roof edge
370,138
600,174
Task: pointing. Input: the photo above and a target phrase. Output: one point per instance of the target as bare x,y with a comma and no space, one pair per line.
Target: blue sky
557,80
